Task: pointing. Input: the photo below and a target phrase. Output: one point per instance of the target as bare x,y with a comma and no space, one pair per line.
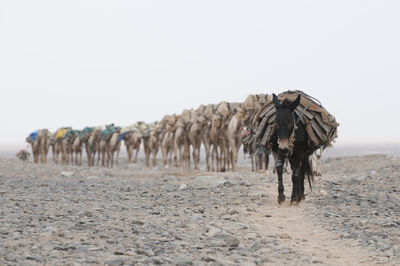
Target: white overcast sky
87,63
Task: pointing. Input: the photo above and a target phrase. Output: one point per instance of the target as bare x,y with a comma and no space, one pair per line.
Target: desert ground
56,215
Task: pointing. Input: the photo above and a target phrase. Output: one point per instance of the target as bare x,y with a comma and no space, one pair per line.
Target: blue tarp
33,136
120,137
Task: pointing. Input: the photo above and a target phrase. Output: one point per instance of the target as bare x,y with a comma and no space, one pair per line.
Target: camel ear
293,105
276,101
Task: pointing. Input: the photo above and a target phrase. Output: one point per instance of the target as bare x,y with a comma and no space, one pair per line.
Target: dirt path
293,227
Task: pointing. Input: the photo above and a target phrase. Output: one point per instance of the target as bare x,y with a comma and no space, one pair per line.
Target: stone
223,240
67,174
323,193
183,187
114,262
284,236
147,252
183,261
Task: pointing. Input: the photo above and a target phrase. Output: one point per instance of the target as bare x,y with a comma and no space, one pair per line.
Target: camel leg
147,156
164,154
136,155
214,156
235,152
117,159
207,148
103,158
129,151
154,158
169,155
194,158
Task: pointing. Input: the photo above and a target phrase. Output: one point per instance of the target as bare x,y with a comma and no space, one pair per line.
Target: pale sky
88,63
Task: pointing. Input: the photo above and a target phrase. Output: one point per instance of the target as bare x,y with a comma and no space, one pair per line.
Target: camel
181,140
217,135
151,143
195,135
92,146
167,140
76,148
132,139
57,146
234,139
206,112
109,144
113,145
66,146
39,141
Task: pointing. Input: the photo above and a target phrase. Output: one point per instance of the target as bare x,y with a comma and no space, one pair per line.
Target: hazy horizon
89,63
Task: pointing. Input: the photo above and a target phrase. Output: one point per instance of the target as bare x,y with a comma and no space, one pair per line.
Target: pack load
107,133
321,126
85,131
149,128
33,135
61,133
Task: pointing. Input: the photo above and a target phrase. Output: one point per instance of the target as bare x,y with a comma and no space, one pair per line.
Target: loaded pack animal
151,142
109,145
197,129
218,137
291,141
79,142
181,139
207,112
92,146
132,140
39,141
167,140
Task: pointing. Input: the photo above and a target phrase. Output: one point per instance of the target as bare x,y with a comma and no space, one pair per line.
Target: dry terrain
53,214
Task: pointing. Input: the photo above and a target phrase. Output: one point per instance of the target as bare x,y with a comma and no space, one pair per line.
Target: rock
67,174
232,211
90,260
208,259
170,179
284,236
223,240
138,222
157,260
205,182
114,262
92,177
183,261
147,252
183,187
323,193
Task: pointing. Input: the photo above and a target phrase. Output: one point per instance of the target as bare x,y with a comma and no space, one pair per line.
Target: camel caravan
220,128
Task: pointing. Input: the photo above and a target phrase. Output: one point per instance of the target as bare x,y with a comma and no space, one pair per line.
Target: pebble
67,174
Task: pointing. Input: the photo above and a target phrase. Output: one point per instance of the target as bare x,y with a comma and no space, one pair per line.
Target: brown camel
151,143
113,146
167,141
132,140
218,136
181,140
195,135
76,148
66,146
39,141
92,146
234,139
206,112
